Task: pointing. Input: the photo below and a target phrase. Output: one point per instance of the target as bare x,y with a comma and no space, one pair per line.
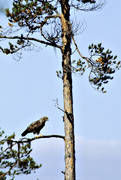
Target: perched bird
36,126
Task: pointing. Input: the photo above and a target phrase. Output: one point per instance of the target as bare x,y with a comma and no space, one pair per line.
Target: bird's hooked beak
45,118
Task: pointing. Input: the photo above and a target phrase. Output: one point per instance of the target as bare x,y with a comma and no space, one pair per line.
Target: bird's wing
34,125
31,128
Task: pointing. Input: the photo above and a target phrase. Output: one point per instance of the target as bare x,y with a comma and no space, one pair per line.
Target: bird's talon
38,135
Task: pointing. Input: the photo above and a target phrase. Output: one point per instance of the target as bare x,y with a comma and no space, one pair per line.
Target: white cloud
95,159
96,147
98,159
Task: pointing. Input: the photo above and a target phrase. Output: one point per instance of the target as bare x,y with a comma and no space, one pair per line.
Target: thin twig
83,57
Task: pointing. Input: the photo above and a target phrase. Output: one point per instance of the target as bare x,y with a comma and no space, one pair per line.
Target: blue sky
29,89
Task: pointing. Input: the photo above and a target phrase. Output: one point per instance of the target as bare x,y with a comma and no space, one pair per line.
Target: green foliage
31,16
79,66
42,16
15,157
30,13
20,44
103,65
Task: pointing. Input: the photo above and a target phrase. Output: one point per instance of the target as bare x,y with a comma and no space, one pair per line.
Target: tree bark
67,92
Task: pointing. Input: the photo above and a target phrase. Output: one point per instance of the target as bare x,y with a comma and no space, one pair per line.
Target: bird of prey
36,126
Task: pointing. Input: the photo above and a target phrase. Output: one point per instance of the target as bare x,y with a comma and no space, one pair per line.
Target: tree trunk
67,92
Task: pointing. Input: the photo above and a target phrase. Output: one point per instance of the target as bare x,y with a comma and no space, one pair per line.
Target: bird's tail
24,133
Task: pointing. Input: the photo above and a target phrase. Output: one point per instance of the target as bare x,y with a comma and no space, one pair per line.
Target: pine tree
51,20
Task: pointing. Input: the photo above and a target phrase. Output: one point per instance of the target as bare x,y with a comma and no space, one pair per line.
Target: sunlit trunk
67,93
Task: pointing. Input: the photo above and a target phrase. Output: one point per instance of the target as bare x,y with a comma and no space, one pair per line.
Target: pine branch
43,137
31,39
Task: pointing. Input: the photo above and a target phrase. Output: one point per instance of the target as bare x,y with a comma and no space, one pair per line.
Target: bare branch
49,38
83,57
43,137
57,106
26,140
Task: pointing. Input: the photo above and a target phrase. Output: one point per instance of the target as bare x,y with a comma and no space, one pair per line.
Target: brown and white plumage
36,126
